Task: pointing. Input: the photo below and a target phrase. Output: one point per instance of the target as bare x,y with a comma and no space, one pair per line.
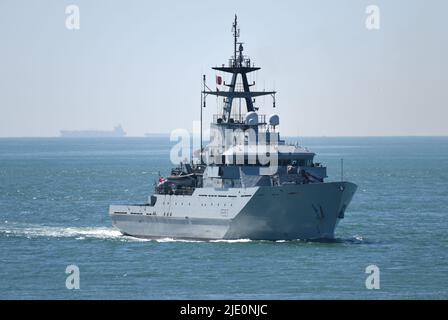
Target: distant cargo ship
116,133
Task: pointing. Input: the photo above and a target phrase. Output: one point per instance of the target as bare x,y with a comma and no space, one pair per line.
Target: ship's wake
79,233
110,233
162,240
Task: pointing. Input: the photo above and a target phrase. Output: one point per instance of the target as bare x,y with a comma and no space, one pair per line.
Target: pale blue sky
139,63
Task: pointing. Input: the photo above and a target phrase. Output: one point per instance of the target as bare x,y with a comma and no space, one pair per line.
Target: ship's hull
307,211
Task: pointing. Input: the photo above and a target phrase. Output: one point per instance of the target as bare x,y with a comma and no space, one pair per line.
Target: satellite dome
274,120
252,118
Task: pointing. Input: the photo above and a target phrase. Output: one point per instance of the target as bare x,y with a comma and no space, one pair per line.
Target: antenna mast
202,106
238,65
236,34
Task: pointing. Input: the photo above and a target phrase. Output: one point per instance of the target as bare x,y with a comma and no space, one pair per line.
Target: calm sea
55,193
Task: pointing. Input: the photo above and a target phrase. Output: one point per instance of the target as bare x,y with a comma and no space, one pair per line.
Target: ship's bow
309,211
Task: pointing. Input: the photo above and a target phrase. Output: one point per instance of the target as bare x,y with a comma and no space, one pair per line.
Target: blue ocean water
55,193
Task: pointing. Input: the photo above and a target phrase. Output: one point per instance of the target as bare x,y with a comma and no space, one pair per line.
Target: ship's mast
236,34
238,65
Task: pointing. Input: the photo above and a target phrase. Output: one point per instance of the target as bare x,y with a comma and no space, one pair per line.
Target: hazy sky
139,63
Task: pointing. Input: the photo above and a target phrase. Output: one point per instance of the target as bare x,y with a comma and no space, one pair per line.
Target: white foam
162,240
31,231
83,233
233,241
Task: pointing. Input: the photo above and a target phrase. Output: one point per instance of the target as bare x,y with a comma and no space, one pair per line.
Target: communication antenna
202,106
236,35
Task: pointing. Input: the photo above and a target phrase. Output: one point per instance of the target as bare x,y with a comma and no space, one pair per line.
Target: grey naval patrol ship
247,184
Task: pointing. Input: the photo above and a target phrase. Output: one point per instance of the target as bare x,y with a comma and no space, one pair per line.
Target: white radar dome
252,118
274,120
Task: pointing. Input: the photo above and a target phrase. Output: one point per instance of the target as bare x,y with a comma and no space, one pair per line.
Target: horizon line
151,135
